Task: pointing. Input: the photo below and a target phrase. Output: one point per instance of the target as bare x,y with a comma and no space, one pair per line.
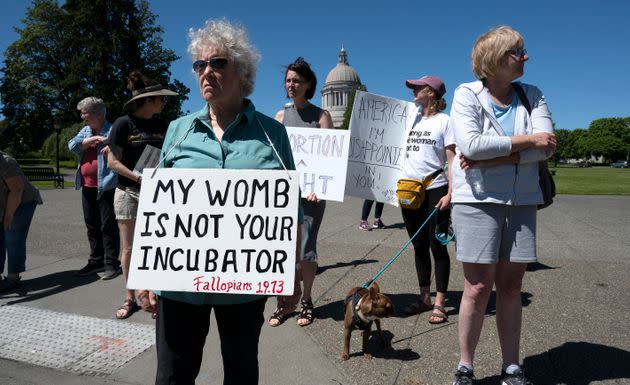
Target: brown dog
362,306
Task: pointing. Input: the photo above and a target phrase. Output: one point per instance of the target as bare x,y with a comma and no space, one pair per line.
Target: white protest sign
216,230
321,158
378,127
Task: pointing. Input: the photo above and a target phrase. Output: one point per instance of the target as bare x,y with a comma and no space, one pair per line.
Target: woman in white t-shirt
430,144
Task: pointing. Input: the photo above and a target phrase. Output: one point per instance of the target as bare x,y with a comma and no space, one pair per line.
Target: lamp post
56,127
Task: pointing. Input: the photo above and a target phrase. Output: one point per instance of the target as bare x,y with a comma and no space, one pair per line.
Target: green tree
3,127
609,137
563,138
578,144
81,48
617,127
345,124
610,147
49,148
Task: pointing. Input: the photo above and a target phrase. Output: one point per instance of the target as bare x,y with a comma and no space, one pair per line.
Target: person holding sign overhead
132,136
430,144
227,133
496,193
300,83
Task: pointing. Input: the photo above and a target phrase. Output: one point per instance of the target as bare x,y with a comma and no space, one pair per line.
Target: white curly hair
234,41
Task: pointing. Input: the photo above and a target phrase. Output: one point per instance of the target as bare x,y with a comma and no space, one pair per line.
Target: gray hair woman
227,133
496,192
97,183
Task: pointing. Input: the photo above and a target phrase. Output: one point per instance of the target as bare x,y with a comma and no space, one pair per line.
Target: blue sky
579,50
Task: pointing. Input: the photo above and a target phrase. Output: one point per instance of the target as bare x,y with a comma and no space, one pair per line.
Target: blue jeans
14,239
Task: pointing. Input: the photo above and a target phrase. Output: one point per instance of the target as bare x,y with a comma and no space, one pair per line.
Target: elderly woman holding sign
227,133
300,83
502,130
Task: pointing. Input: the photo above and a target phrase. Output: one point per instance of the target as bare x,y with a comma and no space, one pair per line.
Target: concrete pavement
576,315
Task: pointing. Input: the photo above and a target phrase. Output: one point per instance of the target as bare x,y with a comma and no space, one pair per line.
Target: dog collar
358,320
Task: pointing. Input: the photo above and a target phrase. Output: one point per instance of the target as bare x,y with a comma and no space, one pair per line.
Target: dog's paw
345,357
367,356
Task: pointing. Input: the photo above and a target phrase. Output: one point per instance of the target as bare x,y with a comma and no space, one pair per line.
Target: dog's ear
373,293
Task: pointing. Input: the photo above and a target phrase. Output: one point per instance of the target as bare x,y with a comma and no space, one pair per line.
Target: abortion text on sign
378,126
216,230
321,159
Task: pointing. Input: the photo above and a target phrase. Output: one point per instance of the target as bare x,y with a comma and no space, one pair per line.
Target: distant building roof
343,72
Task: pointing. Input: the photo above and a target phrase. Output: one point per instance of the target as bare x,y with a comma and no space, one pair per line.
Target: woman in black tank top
300,83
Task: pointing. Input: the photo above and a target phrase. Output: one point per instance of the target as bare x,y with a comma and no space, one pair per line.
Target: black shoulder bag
547,185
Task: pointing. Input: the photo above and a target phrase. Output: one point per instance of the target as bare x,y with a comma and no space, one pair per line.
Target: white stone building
340,82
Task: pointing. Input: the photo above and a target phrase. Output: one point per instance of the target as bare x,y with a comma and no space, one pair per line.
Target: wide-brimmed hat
156,90
432,81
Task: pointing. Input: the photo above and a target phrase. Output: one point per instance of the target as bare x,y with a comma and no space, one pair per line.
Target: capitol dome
337,88
343,72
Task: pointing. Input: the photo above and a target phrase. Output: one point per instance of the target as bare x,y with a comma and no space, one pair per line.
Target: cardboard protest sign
378,126
216,230
321,158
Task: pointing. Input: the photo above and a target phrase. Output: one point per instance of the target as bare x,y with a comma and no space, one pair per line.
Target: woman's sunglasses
518,52
216,63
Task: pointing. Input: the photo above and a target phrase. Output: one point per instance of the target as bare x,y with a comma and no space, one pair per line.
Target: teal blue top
506,116
190,143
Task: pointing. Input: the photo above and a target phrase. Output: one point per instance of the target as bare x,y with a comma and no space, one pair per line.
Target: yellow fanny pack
410,192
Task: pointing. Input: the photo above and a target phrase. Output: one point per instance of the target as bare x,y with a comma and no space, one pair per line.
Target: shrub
49,148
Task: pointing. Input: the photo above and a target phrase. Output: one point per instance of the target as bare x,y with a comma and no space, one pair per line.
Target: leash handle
367,284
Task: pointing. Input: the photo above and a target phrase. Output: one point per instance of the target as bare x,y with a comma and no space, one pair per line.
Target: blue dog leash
367,284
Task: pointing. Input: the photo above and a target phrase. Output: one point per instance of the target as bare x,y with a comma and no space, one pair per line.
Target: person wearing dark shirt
132,136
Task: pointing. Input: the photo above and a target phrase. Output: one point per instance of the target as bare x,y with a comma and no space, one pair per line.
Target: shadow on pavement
356,262
539,266
335,309
579,363
382,350
453,299
574,363
399,225
47,285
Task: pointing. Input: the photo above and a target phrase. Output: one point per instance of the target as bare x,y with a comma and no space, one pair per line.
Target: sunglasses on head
216,63
518,52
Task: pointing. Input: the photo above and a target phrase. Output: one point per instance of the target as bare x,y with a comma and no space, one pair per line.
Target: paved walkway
576,316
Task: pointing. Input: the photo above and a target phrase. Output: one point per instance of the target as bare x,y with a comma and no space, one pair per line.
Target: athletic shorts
488,232
126,203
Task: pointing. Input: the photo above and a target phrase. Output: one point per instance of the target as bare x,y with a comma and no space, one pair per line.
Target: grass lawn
51,185
592,180
569,180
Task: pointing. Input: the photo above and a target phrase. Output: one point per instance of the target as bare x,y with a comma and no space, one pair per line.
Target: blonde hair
491,47
234,41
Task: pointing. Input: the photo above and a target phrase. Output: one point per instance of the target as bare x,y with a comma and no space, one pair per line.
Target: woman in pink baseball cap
430,144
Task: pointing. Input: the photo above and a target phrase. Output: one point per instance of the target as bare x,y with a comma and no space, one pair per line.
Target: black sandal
306,313
279,315
129,307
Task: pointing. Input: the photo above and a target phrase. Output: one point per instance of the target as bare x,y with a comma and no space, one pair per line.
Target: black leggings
426,239
367,206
